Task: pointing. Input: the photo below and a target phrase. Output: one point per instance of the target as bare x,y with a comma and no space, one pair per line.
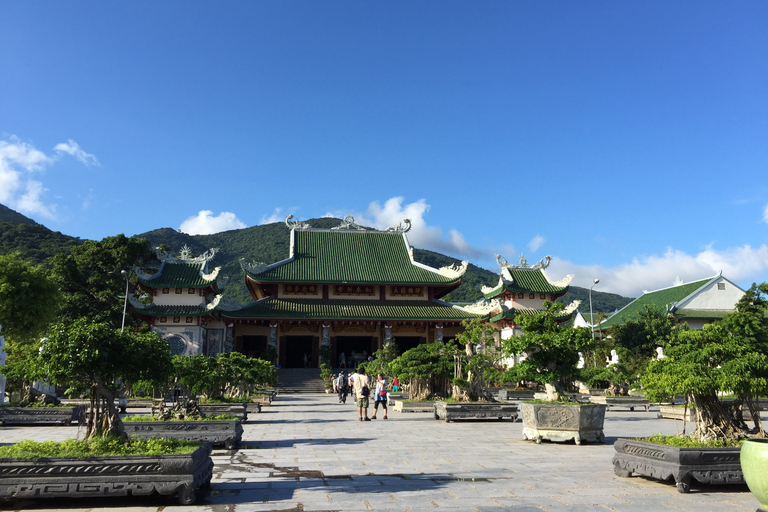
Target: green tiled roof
349,309
527,281
682,314
658,298
155,310
178,275
366,257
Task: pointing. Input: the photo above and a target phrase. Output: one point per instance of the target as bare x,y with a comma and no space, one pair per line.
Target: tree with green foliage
727,356
88,358
551,349
228,375
471,367
29,299
90,277
427,369
382,360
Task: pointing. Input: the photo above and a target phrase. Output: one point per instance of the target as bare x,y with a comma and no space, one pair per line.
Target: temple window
179,290
177,319
191,291
721,286
520,295
166,290
531,295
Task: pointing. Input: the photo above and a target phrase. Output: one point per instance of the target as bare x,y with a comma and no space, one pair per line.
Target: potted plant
551,351
426,370
727,356
326,373
473,368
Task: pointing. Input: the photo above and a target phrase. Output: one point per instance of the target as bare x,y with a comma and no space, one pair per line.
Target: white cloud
18,160
739,264
276,216
535,243
204,223
73,148
421,234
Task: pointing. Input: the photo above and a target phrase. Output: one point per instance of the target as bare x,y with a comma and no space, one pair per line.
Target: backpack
365,392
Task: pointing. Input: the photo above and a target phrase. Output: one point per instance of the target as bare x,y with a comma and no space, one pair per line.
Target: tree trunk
107,420
553,391
715,420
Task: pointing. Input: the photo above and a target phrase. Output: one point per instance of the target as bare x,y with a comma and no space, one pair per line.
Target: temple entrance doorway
251,346
356,349
407,342
295,348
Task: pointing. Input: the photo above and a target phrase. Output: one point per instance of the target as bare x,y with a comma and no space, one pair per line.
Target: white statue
581,361
3,355
614,358
660,353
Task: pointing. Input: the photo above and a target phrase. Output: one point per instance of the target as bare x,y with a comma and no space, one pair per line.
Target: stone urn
563,421
754,466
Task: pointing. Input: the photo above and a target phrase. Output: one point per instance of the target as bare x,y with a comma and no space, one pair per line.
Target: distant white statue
581,361
660,353
3,355
613,359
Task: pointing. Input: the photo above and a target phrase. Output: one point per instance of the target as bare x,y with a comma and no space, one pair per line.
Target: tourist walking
380,396
343,386
395,384
362,390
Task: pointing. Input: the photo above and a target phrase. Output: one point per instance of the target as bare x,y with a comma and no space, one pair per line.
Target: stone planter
509,394
252,407
754,465
450,411
183,475
226,433
263,400
42,415
237,410
401,406
612,402
672,412
563,422
705,465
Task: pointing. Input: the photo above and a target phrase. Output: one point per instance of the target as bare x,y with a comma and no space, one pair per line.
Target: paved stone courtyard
310,453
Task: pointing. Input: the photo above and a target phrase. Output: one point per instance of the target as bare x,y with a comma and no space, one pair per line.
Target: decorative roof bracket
348,224
454,271
296,224
403,227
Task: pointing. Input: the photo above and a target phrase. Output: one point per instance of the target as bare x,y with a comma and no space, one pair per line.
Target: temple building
522,290
345,290
696,304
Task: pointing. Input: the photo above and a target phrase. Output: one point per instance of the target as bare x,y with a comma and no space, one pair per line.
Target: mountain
269,243
33,241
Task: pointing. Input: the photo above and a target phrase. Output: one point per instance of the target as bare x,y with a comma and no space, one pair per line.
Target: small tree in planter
88,358
427,369
326,373
382,360
727,356
231,375
551,349
477,362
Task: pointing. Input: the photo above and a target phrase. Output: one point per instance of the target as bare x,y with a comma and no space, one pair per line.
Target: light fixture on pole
591,317
125,299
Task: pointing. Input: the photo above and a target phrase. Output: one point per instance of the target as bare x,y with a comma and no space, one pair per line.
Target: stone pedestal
563,422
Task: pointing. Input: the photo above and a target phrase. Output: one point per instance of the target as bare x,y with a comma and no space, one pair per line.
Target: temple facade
343,292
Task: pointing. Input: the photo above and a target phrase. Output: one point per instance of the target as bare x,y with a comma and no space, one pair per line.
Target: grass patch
96,447
37,405
222,399
688,442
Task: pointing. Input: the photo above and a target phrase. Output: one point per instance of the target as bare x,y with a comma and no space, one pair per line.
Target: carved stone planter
237,410
622,401
705,465
450,411
226,433
183,475
41,415
401,406
672,412
563,422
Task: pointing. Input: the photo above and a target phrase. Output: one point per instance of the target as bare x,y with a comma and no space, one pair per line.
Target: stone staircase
300,380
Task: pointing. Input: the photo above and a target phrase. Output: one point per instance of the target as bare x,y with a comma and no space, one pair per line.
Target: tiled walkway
309,453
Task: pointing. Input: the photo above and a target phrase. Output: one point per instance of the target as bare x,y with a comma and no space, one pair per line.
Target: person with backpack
343,388
362,392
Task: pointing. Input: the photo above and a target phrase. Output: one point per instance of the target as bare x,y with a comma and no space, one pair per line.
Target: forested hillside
268,243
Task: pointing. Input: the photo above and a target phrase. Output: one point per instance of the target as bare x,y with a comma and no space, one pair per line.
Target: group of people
358,383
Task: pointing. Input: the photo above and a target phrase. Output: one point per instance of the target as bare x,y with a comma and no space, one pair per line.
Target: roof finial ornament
348,224
403,227
523,261
296,224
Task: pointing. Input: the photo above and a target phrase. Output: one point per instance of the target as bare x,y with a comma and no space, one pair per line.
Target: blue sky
629,140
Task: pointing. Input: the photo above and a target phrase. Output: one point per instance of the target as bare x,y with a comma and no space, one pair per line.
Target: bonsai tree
228,375
727,356
382,360
551,349
477,362
88,358
427,369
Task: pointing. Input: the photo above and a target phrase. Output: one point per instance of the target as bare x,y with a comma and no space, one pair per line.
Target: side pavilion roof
526,279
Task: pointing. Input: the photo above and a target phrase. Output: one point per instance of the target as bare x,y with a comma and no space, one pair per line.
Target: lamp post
591,317
124,273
